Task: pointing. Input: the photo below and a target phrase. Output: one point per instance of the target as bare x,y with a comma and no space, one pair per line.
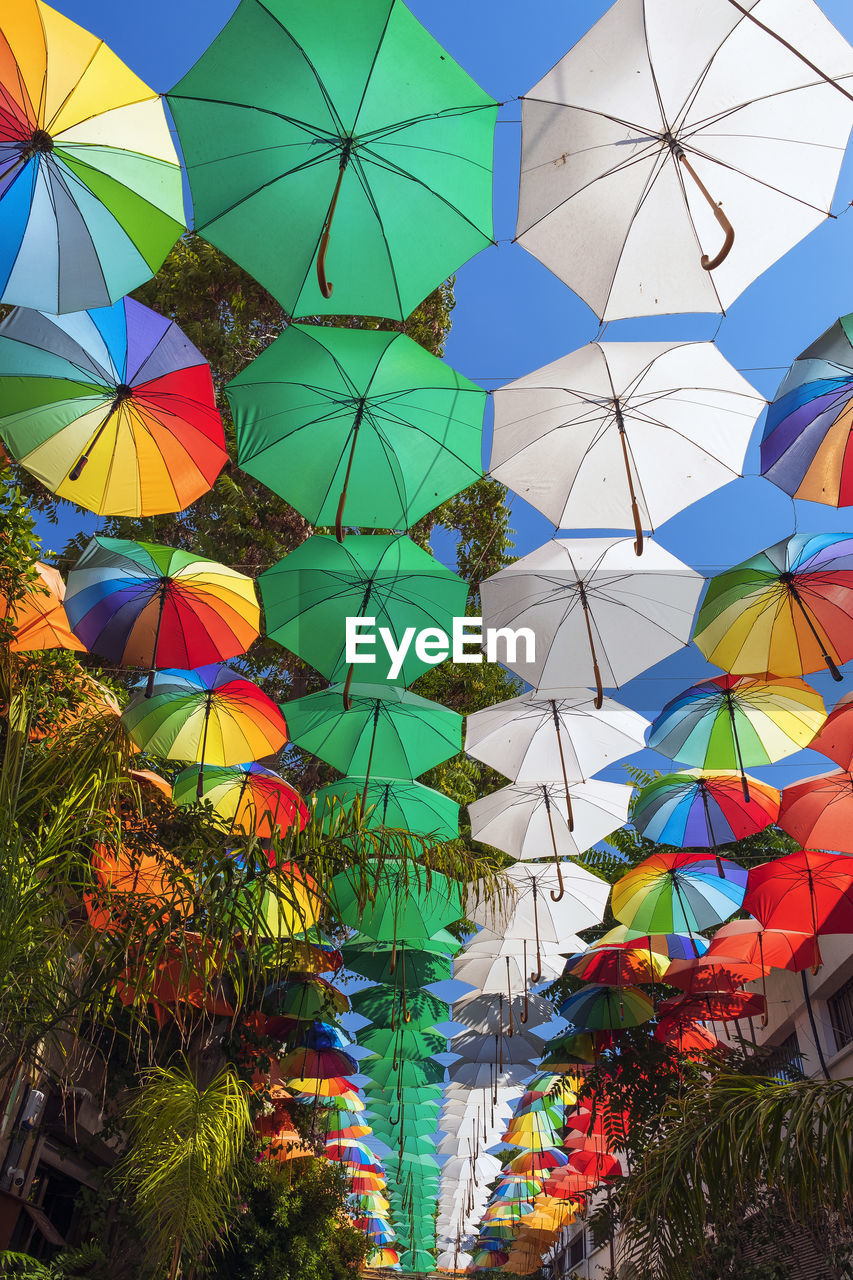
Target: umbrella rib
382,162
759,182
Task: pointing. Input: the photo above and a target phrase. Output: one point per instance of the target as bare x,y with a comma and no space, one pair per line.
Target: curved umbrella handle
710,264
347,687
325,285
557,896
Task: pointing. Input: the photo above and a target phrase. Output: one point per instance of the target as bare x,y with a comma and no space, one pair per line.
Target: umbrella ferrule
39,143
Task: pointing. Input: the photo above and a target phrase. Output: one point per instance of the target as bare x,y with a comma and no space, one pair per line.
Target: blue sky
512,316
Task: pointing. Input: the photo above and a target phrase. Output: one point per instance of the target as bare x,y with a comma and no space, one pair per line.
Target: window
841,1014
576,1250
786,1061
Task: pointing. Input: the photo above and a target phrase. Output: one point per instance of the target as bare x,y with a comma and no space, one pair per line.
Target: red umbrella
711,974
689,1038
748,942
836,737
566,1184
818,811
806,891
595,1165
597,1142
715,1006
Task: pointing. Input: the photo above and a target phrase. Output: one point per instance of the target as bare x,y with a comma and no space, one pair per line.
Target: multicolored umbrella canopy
389,802
39,619
678,946
309,595
805,448
112,409
143,605
395,900
678,892
604,1008
786,610
357,426
621,964
247,797
735,721
705,809
386,730
353,155
818,811
211,716
90,185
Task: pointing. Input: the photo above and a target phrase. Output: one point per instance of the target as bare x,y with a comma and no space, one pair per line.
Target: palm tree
185,1146
731,1146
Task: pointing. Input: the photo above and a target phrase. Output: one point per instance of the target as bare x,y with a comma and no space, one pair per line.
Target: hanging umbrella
389,803
387,730
483,963
705,809
489,1011
412,968
806,892
623,964
680,892
38,619
304,1000
835,739
599,617
667,178
394,899
678,946
818,811
356,425
90,185
309,595
623,434
786,610
711,973
248,798
714,1006
748,942
355,156
532,739
593,1165
208,716
112,409
687,1038
142,605
134,883
318,1064
382,1004
401,1073
530,821
537,1162
566,1052
599,1008
804,448
733,721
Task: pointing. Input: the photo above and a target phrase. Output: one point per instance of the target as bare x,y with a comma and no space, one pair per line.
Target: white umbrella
486,1013
451,1260
669,124
526,822
622,434
483,963
460,1168
599,615
479,1075
565,739
550,902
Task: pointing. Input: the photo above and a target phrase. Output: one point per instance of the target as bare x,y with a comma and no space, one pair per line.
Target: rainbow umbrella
805,449
703,809
142,605
678,946
90,185
600,1008
210,715
621,963
787,610
538,1162
112,409
732,721
248,797
317,1064
680,892
383,1258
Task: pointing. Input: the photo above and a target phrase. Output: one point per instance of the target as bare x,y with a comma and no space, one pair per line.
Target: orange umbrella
691,1039
39,618
131,879
185,976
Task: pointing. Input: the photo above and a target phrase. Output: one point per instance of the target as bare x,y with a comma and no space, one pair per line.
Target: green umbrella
386,1108
405,901
387,730
390,803
412,1124
303,121
358,423
413,968
441,943
382,1006
309,595
406,1042
403,1073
